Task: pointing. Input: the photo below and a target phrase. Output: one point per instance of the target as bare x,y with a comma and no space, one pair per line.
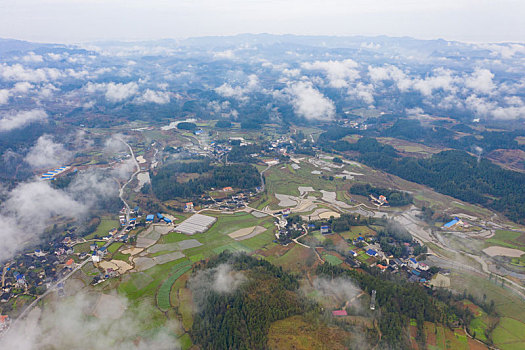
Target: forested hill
454,173
166,186
241,318
399,302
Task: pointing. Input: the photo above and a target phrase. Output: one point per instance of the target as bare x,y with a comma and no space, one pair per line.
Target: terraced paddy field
439,337
163,294
283,181
509,239
216,239
509,334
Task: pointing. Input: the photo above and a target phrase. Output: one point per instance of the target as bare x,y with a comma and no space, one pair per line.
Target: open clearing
286,200
503,251
117,265
103,228
245,233
132,251
329,214
297,333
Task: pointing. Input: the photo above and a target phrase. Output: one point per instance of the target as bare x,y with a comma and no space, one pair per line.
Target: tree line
395,198
241,319
454,173
165,185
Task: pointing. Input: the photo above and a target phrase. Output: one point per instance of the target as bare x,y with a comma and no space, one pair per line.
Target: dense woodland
454,173
166,186
399,302
241,319
395,198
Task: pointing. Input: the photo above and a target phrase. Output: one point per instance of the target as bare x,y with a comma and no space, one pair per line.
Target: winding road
53,287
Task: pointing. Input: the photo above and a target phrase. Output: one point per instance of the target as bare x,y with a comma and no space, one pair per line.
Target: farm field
509,334
297,333
163,294
106,225
510,239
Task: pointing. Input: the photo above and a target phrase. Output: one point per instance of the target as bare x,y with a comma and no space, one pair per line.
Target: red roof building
339,313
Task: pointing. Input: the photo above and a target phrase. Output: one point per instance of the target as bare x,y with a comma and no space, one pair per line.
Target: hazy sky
85,20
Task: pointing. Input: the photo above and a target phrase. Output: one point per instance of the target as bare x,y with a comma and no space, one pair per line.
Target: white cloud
364,92
54,56
513,101
238,92
481,81
114,92
416,111
389,72
46,153
339,73
20,119
89,321
442,79
17,72
506,51
22,87
47,91
152,96
82,74
227,54
4,96
509,113
28,210
120,92
309,102
33,58
479,105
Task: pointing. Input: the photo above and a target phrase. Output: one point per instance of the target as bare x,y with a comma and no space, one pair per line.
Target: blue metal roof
371,252
413,260
451,223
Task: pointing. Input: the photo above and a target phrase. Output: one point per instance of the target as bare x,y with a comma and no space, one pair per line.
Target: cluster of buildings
416,271
453,224
379,201
232,201
50,175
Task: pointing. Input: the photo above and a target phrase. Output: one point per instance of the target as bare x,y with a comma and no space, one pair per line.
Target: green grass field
510,239
185,341
216,239
507,303
114,247
103,228
332,260
144,284
509,334
163,294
